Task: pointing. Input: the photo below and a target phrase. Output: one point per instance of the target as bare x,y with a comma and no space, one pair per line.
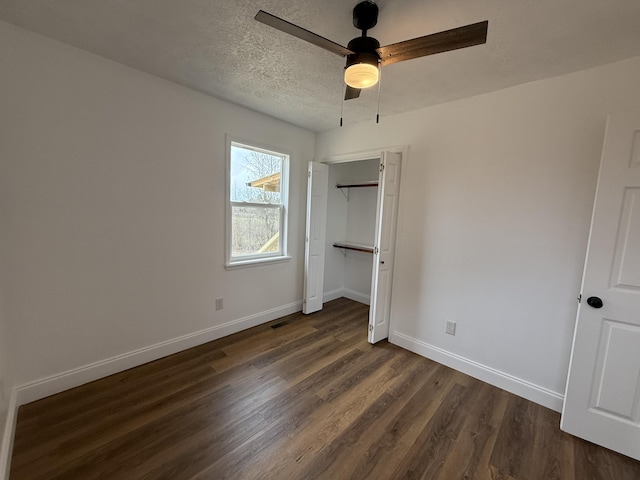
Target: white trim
53,384
254,262
356,296
515,385
371,154
346,293
8,435
256,205
333,295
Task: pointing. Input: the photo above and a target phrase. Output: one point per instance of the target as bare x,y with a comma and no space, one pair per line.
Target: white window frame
263,258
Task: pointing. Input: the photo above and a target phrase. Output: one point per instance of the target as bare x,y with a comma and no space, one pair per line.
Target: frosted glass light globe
361,75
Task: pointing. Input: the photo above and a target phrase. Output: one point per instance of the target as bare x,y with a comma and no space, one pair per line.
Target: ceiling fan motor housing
365,15
365,51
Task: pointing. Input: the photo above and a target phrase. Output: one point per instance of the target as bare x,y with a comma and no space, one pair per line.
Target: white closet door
317,190
384,246
602,402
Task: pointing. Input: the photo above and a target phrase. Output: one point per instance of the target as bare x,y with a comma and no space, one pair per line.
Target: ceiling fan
364,54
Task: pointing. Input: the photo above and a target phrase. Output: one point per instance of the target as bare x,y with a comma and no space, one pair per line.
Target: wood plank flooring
307,399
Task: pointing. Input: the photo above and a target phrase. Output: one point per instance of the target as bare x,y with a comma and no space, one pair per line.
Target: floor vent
281,324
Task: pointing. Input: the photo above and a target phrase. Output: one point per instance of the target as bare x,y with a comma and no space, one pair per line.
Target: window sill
255,262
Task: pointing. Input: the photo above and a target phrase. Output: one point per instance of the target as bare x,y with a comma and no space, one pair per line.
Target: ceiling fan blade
351,92
301,33
461,37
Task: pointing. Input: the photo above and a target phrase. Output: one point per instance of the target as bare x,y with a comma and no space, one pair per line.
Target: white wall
7,410
6,378
495,212
112,205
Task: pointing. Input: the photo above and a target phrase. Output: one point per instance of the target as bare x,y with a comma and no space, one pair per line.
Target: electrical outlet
219,304
450,327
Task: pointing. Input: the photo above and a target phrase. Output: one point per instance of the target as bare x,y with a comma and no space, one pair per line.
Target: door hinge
580,298
381,167
370,328
309,174
376,250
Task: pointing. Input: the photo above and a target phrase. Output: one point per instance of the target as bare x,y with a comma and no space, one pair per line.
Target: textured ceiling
216,47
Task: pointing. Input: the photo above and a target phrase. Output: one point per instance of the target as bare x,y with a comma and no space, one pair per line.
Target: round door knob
594,302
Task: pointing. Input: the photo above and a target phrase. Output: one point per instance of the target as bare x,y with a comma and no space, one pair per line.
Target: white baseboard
357,296
7,435
347,293
515,385
53,384
333,295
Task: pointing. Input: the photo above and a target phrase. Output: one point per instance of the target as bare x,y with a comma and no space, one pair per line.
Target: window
256,205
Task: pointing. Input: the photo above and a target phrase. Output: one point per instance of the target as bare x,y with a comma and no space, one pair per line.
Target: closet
351,219
350,236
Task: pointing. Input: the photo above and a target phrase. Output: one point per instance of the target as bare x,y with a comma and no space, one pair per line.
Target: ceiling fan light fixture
364,54
361,75
362,70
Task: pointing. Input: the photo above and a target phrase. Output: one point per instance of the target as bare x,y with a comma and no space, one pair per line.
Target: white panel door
384,246
602,402
317,191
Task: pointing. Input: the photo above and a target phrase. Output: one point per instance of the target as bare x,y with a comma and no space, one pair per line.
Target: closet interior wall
353,220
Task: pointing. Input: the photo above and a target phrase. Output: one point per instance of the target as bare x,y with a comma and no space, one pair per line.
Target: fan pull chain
379,82
342,104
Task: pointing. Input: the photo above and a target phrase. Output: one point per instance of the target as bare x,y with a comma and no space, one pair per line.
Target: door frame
376,153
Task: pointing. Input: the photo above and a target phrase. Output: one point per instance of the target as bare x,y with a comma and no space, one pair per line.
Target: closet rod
358,184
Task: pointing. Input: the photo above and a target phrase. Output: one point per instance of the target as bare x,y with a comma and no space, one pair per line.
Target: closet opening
352,210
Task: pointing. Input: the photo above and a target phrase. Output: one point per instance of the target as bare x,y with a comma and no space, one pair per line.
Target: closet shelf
358,247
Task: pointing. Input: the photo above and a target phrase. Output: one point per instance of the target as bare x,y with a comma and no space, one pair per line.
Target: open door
602,401
317,189
384,246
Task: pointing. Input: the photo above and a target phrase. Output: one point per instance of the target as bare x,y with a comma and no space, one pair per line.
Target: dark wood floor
309,398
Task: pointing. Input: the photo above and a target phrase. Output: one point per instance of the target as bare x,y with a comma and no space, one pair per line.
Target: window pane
254,230
255,176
